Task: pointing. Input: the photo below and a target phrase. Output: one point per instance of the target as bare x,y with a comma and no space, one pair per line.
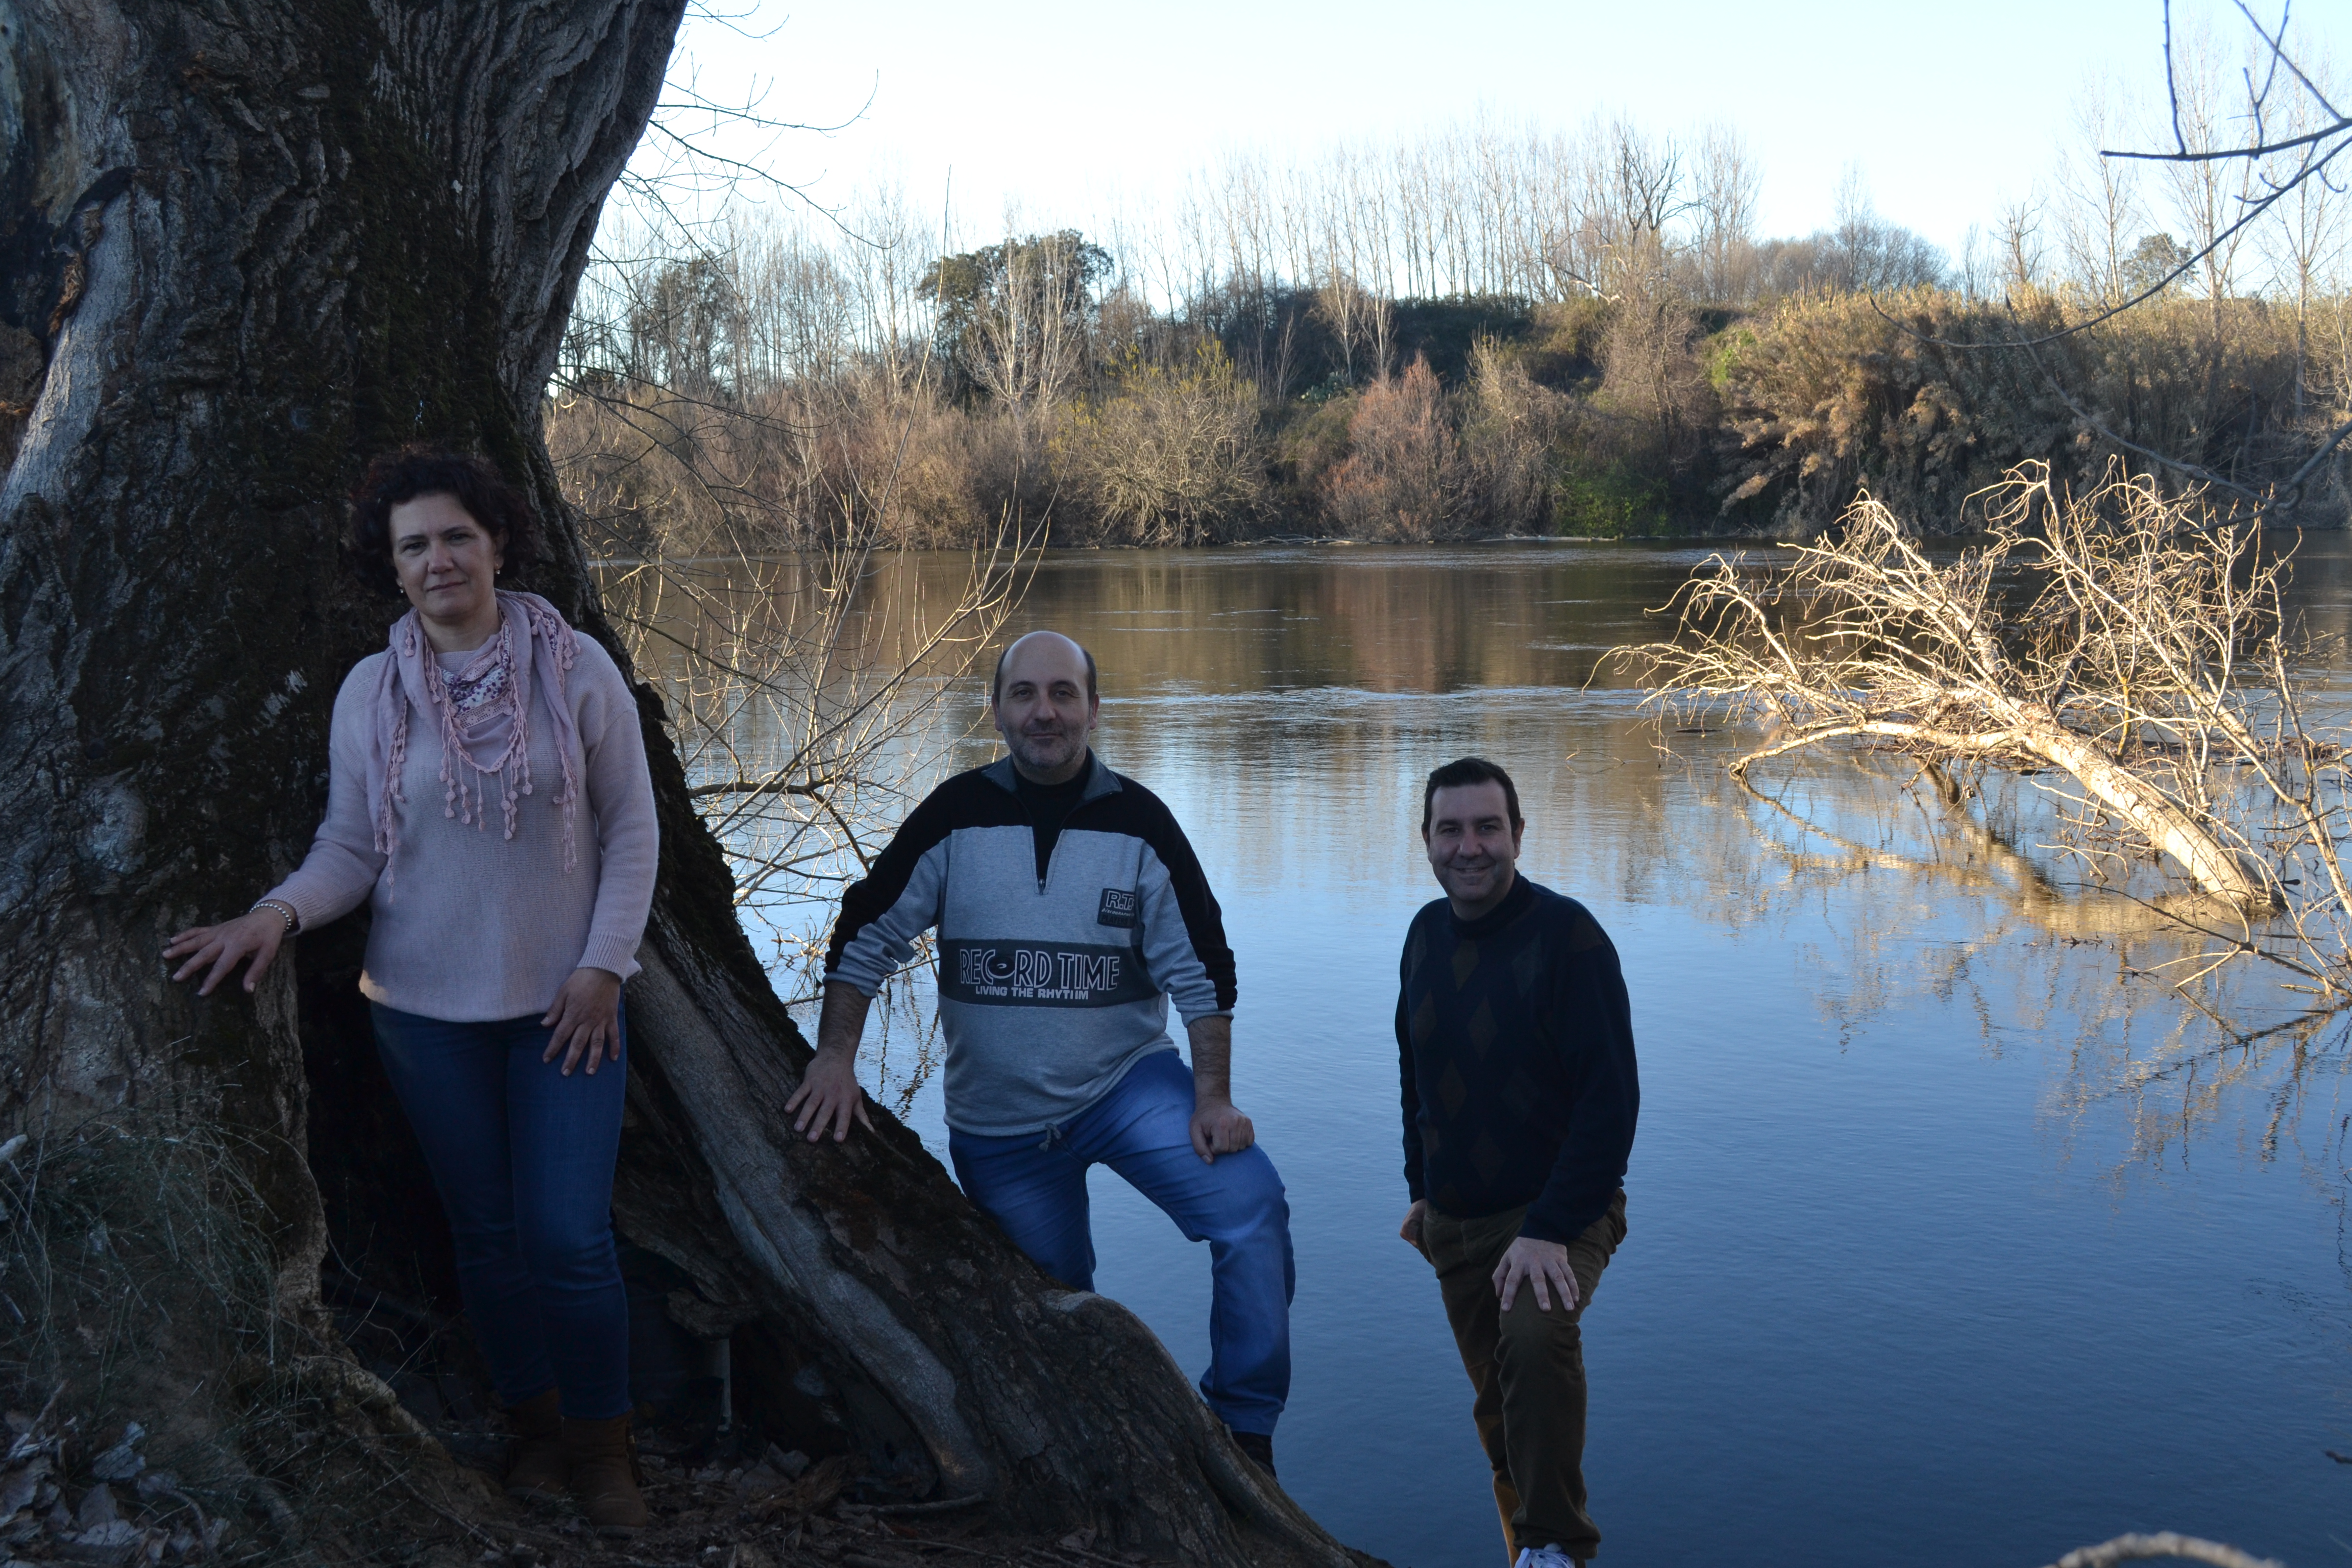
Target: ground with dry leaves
773,1512
65,1499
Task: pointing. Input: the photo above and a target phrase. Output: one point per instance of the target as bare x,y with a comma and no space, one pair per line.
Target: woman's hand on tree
586,1020
251,938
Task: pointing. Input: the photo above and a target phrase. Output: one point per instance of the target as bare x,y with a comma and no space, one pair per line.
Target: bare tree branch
2118,637
2140,1548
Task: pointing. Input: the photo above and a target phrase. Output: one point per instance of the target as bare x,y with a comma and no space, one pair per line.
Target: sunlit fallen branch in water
2141,1548
2118,638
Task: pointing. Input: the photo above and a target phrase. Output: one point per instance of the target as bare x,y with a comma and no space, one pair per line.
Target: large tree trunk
248,243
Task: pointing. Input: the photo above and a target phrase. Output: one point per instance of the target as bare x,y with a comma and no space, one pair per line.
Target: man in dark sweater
1516,1049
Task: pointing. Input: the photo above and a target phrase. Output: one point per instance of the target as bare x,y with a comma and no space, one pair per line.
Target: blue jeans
522,1157
1035,1186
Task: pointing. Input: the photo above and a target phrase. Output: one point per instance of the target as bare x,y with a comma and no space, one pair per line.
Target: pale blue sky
1950,109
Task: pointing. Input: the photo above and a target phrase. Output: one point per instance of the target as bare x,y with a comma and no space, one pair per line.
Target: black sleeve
1409,1092
1596,1038
885,880
1205,923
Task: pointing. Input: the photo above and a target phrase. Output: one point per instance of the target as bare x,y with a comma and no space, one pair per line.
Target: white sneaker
1552,1556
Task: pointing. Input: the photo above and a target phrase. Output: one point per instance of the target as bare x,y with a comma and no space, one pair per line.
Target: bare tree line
1490,206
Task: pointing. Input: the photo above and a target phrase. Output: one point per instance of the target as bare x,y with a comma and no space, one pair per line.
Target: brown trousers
1526,1369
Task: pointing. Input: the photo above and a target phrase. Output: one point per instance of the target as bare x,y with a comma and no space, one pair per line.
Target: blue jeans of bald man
1035,1186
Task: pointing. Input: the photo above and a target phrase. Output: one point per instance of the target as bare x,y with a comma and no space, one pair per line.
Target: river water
1951,1241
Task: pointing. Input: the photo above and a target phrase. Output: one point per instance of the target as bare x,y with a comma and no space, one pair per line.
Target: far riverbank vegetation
1491,330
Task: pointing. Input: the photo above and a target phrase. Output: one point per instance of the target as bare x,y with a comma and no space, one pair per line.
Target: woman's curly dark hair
420,470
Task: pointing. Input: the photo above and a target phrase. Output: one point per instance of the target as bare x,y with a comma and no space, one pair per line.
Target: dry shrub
1511,439
922,452
1564,345
864,450
1652,385
1404,479
130,1259
655,473
1306,448
139,1282
1170,458
606,441
1826,393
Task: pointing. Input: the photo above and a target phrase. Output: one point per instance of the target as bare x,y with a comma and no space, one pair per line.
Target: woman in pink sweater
489,801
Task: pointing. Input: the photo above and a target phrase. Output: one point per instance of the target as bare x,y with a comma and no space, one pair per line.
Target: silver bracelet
285,910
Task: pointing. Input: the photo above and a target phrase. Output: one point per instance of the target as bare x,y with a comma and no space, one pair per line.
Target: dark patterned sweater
1516,1047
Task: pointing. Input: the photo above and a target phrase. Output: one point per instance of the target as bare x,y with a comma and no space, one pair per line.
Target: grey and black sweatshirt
1058,953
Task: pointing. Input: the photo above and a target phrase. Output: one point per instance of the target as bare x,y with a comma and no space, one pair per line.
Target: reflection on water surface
1951,1240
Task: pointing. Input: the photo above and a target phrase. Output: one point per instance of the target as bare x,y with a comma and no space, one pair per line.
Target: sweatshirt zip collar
1100,782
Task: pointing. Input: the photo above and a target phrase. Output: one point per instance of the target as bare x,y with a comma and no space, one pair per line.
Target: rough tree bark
243,245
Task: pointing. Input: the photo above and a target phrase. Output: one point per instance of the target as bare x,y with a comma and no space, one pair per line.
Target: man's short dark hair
996,681
1470,771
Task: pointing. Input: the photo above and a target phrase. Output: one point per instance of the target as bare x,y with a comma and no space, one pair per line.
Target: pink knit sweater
476,926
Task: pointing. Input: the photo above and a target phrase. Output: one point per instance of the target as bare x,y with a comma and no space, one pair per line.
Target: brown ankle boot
537,1466
604,1475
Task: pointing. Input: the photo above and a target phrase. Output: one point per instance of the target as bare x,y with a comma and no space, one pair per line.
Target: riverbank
1481,419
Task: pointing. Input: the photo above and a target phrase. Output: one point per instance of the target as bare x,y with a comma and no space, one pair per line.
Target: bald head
1042,702
1040,656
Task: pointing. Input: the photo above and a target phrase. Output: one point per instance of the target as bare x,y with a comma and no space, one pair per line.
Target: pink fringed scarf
533,642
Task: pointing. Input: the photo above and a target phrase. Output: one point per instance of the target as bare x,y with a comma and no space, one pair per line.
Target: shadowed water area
1953,1238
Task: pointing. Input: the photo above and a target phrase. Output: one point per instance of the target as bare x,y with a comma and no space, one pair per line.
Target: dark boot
1257,1447
537,1468
604,1474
